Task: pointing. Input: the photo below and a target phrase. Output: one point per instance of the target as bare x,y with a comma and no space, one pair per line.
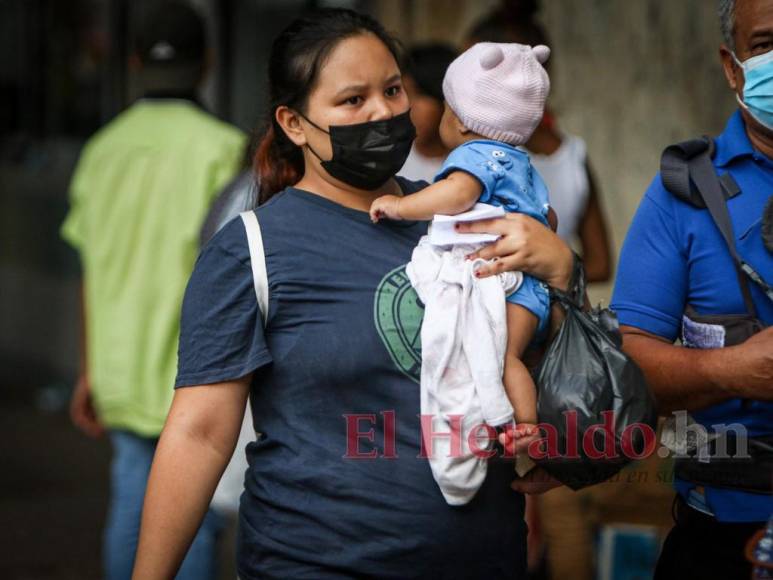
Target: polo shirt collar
733,142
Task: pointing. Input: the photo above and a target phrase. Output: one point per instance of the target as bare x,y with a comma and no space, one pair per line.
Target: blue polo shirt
674,255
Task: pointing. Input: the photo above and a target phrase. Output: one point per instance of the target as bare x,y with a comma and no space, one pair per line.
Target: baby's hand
386,206
517,440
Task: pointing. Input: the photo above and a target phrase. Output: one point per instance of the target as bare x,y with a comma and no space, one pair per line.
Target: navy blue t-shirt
340,354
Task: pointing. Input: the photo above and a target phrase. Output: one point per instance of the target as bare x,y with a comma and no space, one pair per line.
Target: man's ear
729,67
290,122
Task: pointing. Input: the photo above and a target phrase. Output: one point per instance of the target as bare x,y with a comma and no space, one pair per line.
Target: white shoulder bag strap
231,484
257,260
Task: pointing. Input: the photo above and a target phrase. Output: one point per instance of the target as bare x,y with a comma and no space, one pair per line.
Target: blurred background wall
629,77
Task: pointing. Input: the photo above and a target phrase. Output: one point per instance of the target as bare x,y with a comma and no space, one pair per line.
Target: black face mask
366,155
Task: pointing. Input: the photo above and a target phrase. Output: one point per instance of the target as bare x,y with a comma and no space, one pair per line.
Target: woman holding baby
339,484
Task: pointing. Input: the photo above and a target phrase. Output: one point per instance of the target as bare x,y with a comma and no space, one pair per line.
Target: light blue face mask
758,87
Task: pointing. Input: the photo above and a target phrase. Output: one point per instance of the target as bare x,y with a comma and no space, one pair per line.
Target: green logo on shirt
398,314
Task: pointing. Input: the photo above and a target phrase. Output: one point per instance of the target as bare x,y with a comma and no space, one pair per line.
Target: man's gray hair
726,10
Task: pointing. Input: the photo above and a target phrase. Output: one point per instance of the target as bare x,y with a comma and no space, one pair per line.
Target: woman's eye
393,91
355,100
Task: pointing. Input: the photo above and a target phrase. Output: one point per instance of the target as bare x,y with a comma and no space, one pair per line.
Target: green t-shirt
141,190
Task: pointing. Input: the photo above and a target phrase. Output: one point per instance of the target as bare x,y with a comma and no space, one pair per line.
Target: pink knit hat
498,90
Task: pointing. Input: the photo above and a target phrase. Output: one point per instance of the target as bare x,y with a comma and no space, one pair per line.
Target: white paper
702,335
442,232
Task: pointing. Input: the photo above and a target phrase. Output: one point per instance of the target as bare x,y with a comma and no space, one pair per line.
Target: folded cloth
463,343
442,232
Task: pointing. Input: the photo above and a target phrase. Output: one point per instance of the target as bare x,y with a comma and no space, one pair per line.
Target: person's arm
82,411
451,195
196,444
692,379
594,237
651,293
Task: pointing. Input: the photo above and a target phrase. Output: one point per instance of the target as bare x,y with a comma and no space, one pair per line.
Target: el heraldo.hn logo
398,313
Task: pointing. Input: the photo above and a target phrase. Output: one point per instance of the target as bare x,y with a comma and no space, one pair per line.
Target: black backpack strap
703,174
675,174
688,173
715,201
729,185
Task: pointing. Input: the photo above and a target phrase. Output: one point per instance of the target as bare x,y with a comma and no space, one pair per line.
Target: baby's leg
521,326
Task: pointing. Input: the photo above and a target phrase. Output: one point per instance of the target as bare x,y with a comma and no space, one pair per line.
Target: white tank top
565,174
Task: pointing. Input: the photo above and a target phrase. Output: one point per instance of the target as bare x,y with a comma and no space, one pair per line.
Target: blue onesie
508,181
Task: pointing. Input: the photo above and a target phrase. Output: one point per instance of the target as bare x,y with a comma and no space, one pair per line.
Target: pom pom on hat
541,53
491,57
498,90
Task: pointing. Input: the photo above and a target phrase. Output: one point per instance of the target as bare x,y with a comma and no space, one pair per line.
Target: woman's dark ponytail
297,55
278,162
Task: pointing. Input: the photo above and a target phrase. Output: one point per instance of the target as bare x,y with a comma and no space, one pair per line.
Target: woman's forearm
178,494
194,449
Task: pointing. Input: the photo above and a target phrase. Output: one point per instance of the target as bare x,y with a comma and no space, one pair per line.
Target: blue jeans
132,457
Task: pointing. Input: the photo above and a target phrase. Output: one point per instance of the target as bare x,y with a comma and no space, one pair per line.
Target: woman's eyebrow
351,89
393,79
358,88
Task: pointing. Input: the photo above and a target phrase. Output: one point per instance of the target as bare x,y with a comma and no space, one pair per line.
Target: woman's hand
525,245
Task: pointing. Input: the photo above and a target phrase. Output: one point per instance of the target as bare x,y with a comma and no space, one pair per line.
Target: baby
495,97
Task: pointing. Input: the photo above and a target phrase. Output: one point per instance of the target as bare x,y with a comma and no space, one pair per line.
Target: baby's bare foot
516,440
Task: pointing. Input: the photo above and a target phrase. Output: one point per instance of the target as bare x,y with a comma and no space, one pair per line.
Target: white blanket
463,343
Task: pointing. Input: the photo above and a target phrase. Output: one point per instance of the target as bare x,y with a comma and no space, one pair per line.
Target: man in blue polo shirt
674,259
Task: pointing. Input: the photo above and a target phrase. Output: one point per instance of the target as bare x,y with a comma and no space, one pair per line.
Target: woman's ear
290,122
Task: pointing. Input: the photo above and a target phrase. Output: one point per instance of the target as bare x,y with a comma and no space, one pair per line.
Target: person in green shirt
140,193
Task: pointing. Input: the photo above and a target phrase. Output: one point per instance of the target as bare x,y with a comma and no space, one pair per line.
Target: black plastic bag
595,409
